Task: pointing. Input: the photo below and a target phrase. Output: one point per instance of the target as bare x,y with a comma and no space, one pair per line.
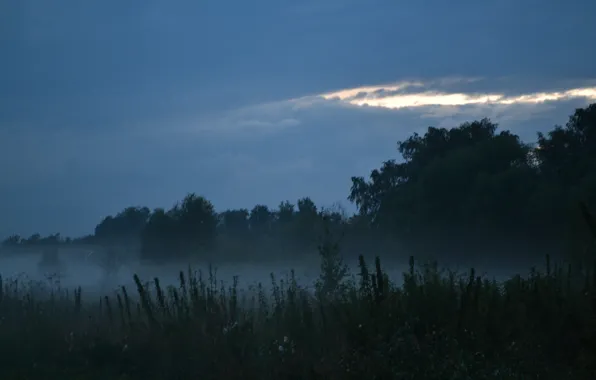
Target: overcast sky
106,104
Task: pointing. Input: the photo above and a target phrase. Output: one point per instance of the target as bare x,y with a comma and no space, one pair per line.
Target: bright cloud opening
385,97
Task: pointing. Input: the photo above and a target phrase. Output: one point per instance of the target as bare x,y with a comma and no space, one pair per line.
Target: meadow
428,324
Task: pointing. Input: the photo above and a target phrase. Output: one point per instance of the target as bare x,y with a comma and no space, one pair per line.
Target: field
426,324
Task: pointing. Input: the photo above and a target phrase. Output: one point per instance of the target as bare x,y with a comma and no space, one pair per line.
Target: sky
109,104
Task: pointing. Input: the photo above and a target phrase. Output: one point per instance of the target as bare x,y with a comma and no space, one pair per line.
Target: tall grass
436,325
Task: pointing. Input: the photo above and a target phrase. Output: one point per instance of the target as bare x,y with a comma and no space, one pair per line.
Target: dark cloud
111,103
137,55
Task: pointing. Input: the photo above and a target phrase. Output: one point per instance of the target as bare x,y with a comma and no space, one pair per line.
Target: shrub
435,325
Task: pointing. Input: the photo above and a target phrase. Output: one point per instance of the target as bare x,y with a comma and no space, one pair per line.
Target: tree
235,222
568,154
33,239
567,162
197,222
260,220
285,213
159,238
124,228
186,229
12,241
466,183
308,222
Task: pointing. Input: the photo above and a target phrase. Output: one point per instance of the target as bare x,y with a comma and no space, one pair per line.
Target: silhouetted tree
125,227
12,241
260,219
474,180
235,222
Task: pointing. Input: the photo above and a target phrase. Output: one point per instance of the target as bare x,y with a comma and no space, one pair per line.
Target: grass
436,325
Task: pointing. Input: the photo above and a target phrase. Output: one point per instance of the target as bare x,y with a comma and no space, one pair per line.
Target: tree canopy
471,183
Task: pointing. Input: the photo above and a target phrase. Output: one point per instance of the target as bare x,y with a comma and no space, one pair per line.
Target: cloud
113,103
149,55
416,94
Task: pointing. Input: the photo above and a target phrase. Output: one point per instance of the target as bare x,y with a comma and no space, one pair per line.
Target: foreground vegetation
434,326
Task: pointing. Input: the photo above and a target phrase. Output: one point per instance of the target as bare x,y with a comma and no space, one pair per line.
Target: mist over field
83,267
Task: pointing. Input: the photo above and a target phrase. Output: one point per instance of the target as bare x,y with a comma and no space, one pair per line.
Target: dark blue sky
113,103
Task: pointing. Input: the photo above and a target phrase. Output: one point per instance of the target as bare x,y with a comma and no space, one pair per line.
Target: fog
82,267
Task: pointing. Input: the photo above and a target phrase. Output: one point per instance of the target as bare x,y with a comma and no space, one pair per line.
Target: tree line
461,188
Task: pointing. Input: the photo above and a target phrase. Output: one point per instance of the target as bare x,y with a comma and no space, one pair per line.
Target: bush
435,325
